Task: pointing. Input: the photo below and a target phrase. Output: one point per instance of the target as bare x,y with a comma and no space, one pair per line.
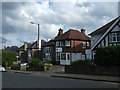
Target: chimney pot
83,31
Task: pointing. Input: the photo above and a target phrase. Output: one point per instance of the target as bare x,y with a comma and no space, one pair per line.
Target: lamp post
38,32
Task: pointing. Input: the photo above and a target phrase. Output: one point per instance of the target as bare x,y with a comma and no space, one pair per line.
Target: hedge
108,56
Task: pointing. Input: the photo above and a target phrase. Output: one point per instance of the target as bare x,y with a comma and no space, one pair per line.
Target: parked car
24,64
2,69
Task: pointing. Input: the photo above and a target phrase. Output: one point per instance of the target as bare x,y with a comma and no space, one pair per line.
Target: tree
8,57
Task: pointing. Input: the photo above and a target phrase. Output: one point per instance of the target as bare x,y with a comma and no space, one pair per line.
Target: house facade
49,51
28,51
70,46
106,35
22,54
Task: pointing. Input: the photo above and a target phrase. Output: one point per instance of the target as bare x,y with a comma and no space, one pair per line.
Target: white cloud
54,15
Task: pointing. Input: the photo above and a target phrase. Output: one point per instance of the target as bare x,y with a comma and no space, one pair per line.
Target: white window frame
66,55
113,36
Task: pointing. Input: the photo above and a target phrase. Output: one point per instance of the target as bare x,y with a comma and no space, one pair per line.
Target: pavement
71,76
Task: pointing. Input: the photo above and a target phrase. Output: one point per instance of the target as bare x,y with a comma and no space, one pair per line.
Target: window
58,56
67,43
59,43
84,45
114,37
47,50
65,56
118,37
88,44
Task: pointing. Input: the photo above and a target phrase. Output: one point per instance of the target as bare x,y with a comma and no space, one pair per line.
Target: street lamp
38,32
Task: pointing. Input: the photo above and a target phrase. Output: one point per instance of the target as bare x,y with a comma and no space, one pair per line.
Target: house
22,52
28,51
67,47
49,51
35,49
106,35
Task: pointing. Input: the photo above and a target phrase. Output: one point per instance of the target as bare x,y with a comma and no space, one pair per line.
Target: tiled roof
22,47
50,43
35,46
72,34
104,28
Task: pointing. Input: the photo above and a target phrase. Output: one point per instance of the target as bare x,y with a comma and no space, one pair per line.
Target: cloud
51,16
3,40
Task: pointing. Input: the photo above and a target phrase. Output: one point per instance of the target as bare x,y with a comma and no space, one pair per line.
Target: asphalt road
17,80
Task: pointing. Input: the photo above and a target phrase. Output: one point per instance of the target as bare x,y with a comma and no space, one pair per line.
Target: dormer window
67,43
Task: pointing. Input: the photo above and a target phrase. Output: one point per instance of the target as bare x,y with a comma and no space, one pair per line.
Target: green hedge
82,62
108,56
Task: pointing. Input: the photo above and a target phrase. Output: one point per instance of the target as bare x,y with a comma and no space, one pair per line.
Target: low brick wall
33,68
94,70
15,68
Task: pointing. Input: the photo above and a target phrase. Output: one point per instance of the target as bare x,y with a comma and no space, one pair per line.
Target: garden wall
93,70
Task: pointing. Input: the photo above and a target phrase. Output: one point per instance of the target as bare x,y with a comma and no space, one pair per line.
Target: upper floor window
59,43
47,49
67,43
84,45
114,37
88,44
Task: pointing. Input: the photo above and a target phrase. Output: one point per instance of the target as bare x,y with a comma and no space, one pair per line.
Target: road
17,80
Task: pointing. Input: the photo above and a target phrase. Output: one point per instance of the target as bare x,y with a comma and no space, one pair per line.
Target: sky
51,16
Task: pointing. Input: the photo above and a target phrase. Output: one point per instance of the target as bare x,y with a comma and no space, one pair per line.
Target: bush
51,62
82,62
36,62
48,64
108,56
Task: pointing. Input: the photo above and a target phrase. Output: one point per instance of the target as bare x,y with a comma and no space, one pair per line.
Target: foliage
82,62
51,62
48,64
108,56
36,62
8,57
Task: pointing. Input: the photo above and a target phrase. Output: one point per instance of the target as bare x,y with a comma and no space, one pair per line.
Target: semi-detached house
68,46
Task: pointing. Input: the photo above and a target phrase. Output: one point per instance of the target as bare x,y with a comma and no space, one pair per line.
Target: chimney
83,31
60,32
39,43
25,46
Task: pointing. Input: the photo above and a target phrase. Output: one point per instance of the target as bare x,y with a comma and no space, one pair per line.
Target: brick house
68,46
71,45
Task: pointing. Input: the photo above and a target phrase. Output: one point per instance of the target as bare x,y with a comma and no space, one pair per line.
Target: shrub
82,62
51,62
108,56
36,62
